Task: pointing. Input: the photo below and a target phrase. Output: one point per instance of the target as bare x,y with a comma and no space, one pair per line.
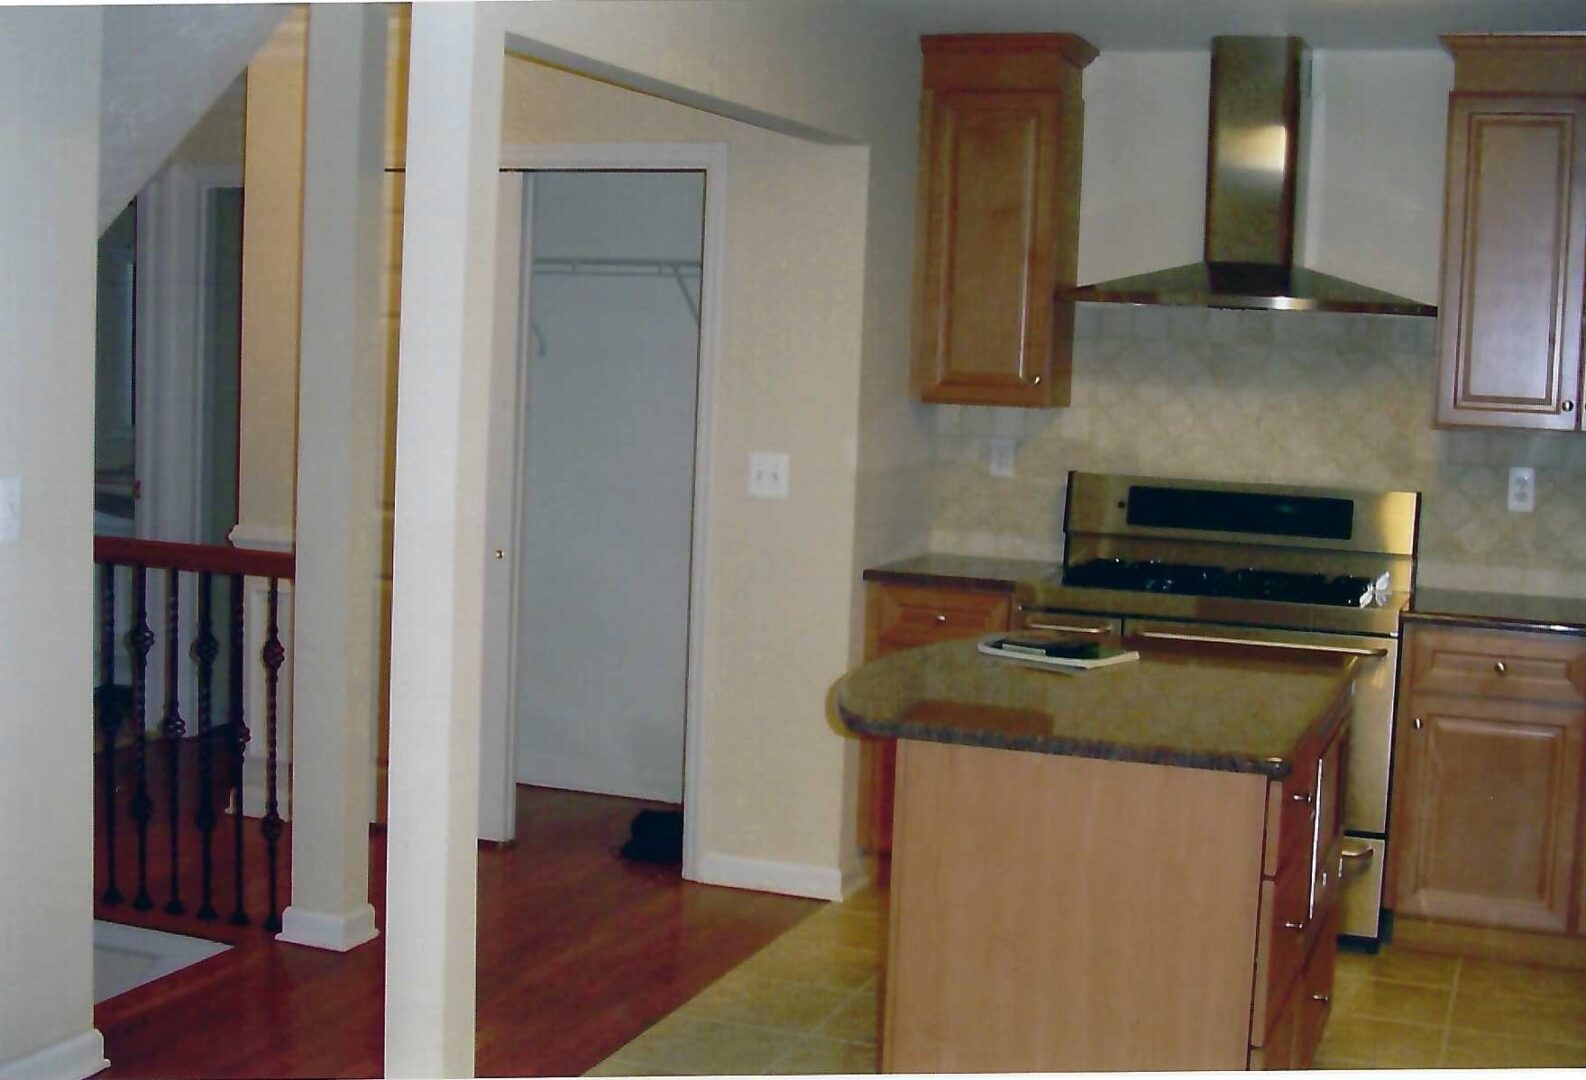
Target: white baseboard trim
337,933
75,1058
767,875
855,875
259,536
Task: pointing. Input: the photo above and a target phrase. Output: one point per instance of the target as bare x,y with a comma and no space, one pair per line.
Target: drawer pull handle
941,619
1302,797
1066,629
1355,860
1501,668
1297,927
1322,999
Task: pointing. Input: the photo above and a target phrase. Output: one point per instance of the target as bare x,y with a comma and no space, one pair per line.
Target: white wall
1373,173
49,151
779,573
608,486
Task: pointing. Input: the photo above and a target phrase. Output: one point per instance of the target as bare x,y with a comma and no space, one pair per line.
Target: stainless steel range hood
1252,145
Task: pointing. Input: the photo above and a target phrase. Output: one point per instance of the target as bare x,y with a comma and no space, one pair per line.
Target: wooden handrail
198,558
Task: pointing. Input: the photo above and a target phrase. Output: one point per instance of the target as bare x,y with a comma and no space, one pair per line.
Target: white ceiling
1190,24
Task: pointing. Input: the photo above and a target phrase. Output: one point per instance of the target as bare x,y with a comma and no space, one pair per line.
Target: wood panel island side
1131,868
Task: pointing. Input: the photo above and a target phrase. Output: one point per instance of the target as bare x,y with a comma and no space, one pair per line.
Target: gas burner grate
1245,583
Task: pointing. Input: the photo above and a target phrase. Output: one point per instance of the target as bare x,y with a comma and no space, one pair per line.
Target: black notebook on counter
1060,653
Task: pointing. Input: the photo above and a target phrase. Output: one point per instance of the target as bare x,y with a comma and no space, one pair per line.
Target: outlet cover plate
1522,489
768,475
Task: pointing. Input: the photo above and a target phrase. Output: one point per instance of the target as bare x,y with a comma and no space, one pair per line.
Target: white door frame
711,159
168,430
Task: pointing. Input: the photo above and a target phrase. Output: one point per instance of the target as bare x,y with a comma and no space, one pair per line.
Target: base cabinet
901,617
1488,787
1062,914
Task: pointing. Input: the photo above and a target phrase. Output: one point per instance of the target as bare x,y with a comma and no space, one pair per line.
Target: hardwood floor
579,953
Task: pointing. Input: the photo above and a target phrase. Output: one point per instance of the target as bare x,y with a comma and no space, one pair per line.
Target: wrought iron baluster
239,746
140,639
273,655
109,717
173,727
205,651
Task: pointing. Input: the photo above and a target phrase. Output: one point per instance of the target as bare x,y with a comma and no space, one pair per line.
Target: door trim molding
711,158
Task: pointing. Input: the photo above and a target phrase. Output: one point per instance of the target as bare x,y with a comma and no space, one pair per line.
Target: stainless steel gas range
1259,566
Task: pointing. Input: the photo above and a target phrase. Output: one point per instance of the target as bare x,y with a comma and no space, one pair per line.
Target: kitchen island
1129,868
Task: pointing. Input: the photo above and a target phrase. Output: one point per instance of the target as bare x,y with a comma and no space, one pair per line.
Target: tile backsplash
1292,397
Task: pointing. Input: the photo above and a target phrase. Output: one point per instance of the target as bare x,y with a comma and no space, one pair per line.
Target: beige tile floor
806,1004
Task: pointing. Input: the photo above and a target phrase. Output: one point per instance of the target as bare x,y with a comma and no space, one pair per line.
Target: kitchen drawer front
1292,802
1296,1029
907,616
1498,664
1284,936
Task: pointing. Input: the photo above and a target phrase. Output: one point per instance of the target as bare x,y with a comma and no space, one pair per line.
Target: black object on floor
656,836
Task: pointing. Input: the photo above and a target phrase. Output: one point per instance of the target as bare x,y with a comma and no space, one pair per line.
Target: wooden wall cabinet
1489,776
901,617
1514,240
1001,123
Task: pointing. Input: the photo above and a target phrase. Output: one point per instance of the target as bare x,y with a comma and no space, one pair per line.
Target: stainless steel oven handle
1067,629
1349,650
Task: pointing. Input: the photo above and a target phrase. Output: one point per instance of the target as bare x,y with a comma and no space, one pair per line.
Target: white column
340,446
49,168
448,246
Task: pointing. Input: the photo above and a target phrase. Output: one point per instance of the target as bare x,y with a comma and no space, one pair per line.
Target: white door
607,480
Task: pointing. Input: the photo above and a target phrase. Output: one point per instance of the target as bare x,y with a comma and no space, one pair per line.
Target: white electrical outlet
10,509
1000,454
1522,489
768,475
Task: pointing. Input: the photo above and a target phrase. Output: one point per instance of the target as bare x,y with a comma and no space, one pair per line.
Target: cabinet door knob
1501,668
1568,406
1301,797
1321,999
1417,723
941,619
1036,381
1298,927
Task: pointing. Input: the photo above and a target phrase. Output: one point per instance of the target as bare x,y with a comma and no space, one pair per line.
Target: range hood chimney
1251,181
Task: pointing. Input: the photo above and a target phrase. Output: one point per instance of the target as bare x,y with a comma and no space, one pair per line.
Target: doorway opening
601,498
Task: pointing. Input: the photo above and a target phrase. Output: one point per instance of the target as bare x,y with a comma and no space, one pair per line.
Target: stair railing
215,765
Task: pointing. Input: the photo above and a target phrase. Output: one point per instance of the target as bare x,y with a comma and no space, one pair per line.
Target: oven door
1367,772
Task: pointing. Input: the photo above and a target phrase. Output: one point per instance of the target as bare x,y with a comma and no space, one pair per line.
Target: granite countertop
1502,611
1201,707
959,571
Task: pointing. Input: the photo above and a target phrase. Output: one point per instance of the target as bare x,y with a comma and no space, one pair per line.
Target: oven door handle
1229,639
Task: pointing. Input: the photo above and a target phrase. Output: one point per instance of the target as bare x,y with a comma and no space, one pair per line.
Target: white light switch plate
768,474
10,509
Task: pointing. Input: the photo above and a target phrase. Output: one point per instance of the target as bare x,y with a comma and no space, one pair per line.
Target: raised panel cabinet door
1514,262
1490,834
986,321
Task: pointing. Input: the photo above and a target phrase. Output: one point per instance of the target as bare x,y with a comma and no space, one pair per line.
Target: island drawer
1498,664
1295,1030
1284,936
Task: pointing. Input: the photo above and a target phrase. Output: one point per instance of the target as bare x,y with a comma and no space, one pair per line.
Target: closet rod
563,264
